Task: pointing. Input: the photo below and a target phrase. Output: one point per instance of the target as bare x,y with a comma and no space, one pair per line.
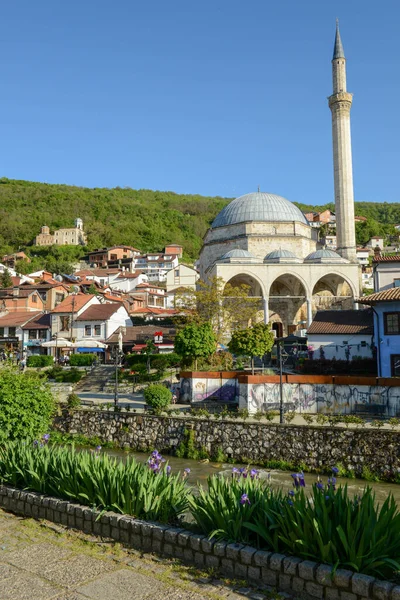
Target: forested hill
143,218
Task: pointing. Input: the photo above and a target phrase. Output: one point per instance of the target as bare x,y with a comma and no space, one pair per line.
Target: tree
148,350
196,341
224,306
253,341
92,289
5,279
26,404
157,396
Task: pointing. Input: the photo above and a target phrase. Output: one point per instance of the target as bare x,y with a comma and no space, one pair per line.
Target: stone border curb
285,573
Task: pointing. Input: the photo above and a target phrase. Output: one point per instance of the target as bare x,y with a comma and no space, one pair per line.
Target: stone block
381,589
195,542
146,544
290,565
105,529
361,584
347,595
71,509
212,561
184,538
395,595
240,570
276,561
96,527
233,551
227,566
42,512
123,536
254,573
62,506
307,569
158,532
261,558
115,533
168,550
56,516
49,513
114,520
269,577
331,594
71,520
178,551
219,549
246,555
298,584
207,545
21,507
342,578
79,523
147,530
314,589
199,560
28,510
324,575
135,540
171,535
79,510
284,582
188,555
10,491
124,523
156,546
64,518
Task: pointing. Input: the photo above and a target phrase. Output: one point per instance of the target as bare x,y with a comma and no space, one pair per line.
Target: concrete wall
334,346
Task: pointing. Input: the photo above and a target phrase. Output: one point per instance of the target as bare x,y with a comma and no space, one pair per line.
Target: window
12,332
1,331
396,282
88,330
395,365
34,298
32,334
391,323
59,298
42,334
97,330
65,323
177,273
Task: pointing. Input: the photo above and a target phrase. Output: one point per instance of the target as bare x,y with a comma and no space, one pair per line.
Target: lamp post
118,355
55,337
281,407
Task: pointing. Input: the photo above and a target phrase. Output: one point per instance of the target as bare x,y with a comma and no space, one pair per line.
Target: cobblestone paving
43,561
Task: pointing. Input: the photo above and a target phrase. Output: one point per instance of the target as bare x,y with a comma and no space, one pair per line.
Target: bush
39,360
171,359
157,396
64,375
73,401
26,404
142,490
82,360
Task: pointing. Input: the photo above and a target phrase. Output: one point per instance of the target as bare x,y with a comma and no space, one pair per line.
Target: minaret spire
340,105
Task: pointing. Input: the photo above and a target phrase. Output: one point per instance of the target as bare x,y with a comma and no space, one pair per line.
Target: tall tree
253,341
5,279
196,341
148,350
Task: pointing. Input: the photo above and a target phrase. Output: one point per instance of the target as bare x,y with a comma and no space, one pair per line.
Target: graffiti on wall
198,390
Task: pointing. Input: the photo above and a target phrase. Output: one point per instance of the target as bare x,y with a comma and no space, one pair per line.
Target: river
200,471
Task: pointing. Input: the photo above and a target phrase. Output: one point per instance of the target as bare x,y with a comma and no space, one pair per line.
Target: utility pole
281,413
118,354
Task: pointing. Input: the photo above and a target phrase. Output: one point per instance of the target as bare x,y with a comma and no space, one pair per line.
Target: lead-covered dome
325,255
259,206
238,253
282,256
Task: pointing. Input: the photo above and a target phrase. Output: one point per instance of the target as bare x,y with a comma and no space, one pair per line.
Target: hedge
82,360
39,360
171,359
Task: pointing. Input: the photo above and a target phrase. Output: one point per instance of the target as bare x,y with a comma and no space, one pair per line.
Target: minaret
340,105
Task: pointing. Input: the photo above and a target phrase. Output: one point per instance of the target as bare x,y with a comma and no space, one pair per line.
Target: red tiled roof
391,295
18,317
129,275
386,258
155,311
97,272
42,321
355,322
73,302
99,312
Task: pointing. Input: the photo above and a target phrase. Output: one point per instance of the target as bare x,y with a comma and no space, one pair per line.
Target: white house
65,314
342,334
127,282
99,321
11,329
375,241
181,276
157,265
363,256
386,272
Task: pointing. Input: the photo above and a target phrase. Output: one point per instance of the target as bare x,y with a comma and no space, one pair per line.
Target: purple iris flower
291,493
326,497
254,474
168,469
235,471
320,485
290,502
244,499
332,482
46,438
298,480
335,470
98,448
35,443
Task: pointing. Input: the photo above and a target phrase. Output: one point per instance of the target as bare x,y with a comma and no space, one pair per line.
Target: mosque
264,240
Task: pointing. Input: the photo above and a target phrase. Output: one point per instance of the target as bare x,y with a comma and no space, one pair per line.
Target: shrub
133,359
26,404
142,490
160,364
157,396
64,375
309,419
82,360
73,401
289,416
39,360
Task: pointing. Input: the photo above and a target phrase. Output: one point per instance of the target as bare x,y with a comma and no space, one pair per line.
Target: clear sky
212,97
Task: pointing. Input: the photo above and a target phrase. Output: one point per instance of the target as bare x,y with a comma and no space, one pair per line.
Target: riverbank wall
304,578
358,450
301,393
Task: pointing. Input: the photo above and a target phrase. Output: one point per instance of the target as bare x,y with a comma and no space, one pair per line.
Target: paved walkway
44,561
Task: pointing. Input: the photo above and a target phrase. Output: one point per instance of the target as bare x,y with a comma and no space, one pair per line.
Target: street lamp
118,355
282,354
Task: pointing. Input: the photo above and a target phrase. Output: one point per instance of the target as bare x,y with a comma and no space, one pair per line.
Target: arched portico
333,291
287,304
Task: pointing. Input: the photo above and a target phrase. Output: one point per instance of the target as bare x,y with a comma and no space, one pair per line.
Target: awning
90,350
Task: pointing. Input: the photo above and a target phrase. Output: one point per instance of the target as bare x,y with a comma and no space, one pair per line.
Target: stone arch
287,303
253,311
333,291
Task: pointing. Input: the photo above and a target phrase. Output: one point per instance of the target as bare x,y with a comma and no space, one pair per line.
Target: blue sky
212,97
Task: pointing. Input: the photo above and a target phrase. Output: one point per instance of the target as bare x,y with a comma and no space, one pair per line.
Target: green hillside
143,218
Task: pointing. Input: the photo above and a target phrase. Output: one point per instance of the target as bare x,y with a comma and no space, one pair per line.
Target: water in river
200,471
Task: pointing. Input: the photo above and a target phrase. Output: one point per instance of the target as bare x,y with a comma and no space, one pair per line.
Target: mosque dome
259,206
282,256
238,253
325,256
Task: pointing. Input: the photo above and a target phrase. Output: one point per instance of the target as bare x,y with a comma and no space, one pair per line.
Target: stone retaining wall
284,573
317,447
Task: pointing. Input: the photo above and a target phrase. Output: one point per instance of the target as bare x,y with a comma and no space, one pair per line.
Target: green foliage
219,455
321,419
394,422
73,402
92,289
39,360
157,396
187,448
195,341
82,360
5,279
309,419
253,341
95,480
64,375
289,416
26,404
132,360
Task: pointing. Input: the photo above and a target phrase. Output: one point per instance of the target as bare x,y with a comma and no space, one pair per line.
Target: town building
386,311
386,271
35,332
181,276
113,257
135,338
127,281
72,236
342,334
363,256
376,241
51,292
156,265
11,260
11,329
99,321
64,315
263,240
174,249
19,299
